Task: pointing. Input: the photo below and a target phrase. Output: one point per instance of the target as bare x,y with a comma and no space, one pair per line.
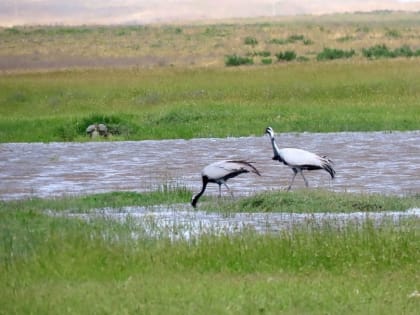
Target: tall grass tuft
382,51
334,53
235,60
287,55
317,201
249,40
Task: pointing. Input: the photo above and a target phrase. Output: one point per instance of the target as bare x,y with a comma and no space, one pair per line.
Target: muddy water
385,162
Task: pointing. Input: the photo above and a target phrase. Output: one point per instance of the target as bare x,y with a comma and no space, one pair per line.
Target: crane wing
299,157
223,168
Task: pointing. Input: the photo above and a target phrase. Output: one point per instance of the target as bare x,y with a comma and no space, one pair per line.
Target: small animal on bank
299,160
220,172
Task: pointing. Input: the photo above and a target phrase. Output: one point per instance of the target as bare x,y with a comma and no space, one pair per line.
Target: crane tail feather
249,167
328,166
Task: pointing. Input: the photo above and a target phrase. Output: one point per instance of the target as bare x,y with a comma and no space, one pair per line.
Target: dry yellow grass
200,44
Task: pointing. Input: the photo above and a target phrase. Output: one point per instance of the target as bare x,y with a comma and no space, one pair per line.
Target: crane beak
193,202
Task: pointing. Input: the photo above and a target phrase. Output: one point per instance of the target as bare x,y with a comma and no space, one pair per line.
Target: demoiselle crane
299,160
220,172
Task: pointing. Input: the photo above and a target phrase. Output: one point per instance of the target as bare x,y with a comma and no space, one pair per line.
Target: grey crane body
220,172
299,160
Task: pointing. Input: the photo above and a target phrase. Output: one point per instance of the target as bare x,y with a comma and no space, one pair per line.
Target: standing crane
220,172
299,160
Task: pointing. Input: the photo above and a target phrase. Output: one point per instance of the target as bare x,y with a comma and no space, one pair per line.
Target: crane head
270,132
194,201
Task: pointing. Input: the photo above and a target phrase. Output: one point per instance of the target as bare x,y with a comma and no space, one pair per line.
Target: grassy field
204,44
186,103
191,93
52,264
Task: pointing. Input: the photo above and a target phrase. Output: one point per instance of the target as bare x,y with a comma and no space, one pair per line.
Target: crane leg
293,178
304,178
228,188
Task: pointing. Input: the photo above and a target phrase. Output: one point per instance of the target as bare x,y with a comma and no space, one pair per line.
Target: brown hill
162,11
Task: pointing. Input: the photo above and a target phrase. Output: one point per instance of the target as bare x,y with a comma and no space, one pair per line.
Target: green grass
53,264
314,201
188,103
166,195
299,201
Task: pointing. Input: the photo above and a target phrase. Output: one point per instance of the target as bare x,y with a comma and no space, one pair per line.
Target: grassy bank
173,103
313,201
299,201
52,264
171,81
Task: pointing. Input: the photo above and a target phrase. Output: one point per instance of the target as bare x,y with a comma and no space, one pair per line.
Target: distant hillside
25,12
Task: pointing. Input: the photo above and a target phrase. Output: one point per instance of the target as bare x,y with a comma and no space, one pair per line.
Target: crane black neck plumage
276,150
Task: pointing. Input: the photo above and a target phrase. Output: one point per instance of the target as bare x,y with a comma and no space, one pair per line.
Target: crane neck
276,149
198,195
274,144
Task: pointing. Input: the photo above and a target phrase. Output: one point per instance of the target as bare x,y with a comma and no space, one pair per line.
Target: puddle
380,162
180,222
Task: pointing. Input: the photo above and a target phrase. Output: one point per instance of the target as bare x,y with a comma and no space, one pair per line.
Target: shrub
235,60
263,53
345,39
12,31
302,59
266,61
290,40
377,51
295,38
64,30
364,29
332,53
393,34
382,51
288,55
250,41
404,51
277,41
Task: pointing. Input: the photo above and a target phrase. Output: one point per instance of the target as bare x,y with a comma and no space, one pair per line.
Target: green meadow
172,103
51,263
174,81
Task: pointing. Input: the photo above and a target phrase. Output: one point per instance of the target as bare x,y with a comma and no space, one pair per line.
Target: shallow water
180,222
383,162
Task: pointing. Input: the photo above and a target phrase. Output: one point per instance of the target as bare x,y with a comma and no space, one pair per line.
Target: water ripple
382,162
